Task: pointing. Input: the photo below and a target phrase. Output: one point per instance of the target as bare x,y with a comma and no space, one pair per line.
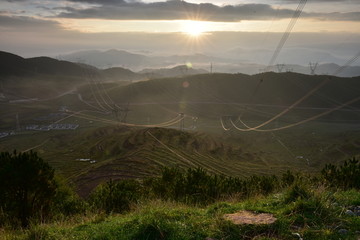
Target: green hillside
215,95
121,126
130,153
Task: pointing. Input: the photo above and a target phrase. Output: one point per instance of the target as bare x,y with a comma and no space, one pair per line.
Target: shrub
297,191
196,186
27,187
346,176
115,197
66,201
288,178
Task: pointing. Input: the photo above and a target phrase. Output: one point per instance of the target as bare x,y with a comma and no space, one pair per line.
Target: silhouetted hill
177,71
106,59
119,74
13,65
46,65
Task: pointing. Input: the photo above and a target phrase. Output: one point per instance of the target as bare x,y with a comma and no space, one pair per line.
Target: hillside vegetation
128,153
193,204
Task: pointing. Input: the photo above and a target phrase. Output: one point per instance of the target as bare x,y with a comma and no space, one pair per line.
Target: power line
280,45
173,121
92,78
223,125
316,88
287,32
88,76
297,123
172,151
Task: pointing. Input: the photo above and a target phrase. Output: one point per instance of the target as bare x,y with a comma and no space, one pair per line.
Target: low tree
27,186
345,176
116,197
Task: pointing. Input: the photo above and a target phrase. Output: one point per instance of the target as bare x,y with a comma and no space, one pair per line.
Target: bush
288,178
27,187
115,197
297,191
196,186
66,201
346,176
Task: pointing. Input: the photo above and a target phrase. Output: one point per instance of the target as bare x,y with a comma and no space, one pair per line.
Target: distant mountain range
136,62
236,61
13,65
44,77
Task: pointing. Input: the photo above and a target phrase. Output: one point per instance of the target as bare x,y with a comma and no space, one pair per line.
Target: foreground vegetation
190,205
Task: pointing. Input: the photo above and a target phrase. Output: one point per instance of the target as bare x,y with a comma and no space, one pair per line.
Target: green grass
131,153
315,217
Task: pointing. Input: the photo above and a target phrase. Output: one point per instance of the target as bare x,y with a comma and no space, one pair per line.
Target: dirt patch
246,217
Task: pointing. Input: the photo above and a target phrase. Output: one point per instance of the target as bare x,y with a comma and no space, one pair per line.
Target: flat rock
343,231
349,213
247,217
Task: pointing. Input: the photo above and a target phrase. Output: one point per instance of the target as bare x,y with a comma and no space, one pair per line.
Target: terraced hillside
127,153
89,156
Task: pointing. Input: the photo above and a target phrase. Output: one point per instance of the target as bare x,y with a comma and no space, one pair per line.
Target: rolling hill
141,146
14,65
257,97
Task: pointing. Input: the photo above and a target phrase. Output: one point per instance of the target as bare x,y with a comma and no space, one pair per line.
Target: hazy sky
52,27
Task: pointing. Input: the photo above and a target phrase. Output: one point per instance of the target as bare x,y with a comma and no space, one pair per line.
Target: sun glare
194,28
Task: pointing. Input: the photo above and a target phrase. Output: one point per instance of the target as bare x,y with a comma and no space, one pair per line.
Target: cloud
182,10
175,9
325,1
336,16
22,23
102,2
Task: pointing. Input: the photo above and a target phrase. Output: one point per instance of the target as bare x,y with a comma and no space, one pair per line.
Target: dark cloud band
27,23
176,10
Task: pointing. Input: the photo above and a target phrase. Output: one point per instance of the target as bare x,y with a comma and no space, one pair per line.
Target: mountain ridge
232,63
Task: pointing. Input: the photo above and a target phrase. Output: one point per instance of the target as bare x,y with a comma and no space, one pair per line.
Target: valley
131,129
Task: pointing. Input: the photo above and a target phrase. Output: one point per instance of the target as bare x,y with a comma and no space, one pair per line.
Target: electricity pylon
313,67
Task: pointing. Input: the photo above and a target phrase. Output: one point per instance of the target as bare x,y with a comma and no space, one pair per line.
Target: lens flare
194,28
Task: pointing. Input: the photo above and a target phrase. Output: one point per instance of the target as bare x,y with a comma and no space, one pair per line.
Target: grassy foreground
178,204
311,213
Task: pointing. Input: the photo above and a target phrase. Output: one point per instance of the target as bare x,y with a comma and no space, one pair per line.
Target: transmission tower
211,68
280,67
182,122
262,70
313,67
125,110
116,111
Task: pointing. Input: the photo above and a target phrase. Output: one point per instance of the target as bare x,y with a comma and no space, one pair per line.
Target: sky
54,27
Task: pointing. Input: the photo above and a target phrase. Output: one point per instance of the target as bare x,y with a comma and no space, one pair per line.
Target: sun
194,28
